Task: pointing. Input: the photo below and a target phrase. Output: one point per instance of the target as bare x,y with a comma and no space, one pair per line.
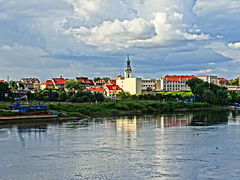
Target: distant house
100,82
30,83
97,90
111,82
58,83
85,81
209,79
223,82
2,81
112,90
48,84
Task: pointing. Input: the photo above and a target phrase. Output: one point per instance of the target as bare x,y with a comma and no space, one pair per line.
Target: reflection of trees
206,118
30,130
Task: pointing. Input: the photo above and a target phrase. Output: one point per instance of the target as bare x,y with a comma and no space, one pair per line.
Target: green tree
96,79
123,95
234,82
208,96
62,95
13,85
73,85
106,79
222,96
4,91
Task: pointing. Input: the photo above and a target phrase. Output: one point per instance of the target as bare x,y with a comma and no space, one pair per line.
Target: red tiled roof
117,77
222,79
85,80
47,82
177,78
95,89
113,87
2,81
113,82
59,80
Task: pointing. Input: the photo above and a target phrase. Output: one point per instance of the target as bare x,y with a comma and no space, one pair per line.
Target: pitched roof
29,80
177,78
113,82
113,87
85,80
47,82
95,89
222,79
117,77
59,81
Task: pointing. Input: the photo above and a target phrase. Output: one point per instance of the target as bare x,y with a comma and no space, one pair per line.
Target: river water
193,145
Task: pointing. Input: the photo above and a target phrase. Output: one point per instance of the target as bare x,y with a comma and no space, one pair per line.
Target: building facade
48,84
209,79
148,85
130,85
173,83
58,83
112,90
30,83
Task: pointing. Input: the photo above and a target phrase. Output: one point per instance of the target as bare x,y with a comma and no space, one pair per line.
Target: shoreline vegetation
117,108
121,108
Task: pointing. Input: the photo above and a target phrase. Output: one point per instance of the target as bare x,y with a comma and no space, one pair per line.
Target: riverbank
116,108
120,108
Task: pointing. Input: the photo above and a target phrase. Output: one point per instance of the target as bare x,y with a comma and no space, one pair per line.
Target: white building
209,79
128,83
131,85
173,83
148,85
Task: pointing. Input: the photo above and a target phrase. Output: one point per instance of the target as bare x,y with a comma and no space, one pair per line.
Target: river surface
199,145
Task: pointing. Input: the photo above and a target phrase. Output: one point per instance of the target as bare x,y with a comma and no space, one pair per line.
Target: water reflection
135,147
128,126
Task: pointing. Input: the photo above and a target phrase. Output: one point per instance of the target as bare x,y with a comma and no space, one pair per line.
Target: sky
69,38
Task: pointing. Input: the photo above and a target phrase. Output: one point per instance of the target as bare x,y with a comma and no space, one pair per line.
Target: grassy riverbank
117,108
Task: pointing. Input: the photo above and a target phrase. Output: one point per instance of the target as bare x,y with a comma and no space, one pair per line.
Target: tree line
73,92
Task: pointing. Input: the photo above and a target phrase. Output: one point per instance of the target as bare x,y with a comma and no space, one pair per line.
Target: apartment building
173,83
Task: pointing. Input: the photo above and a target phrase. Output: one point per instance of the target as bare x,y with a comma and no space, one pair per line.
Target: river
189,145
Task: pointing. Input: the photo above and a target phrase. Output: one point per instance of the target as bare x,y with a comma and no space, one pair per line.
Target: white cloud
229,50
203,71
221,8
234,45
163,26
160,35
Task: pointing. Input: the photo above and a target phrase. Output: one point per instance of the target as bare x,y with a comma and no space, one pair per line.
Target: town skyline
91,38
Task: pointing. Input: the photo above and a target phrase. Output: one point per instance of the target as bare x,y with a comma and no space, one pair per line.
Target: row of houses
126,83
108,88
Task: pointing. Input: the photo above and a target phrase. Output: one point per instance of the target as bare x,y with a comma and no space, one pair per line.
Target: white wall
131,85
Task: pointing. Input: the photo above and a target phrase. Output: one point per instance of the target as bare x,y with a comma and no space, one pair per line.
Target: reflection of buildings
177,120
127,127
133,124
126,124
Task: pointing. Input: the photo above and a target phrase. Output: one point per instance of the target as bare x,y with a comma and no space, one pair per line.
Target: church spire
128,69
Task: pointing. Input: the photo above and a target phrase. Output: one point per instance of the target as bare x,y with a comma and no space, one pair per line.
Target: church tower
128,70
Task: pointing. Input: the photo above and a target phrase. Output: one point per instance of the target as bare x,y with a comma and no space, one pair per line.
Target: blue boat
32,108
